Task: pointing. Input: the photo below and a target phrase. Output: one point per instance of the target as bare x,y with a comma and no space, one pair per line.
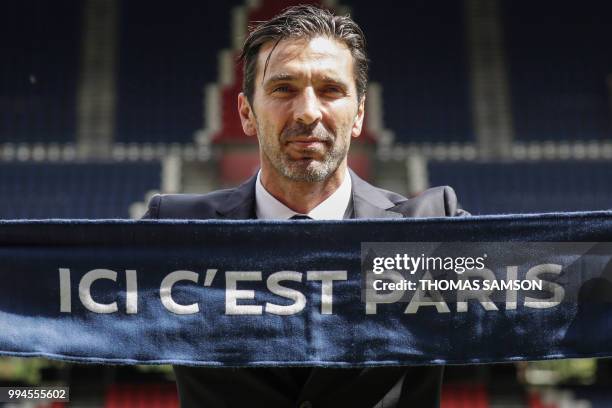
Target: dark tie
300,217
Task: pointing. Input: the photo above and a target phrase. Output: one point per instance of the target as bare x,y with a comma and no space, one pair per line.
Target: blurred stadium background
106,102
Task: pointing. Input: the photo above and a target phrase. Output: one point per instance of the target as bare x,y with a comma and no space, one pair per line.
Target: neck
301,196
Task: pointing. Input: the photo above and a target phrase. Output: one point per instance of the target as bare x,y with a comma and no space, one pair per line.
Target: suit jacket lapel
368,202
240,205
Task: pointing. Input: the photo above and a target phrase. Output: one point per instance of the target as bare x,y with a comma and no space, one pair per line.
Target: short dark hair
305,21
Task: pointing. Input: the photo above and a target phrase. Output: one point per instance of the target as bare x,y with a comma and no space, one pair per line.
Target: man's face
305,109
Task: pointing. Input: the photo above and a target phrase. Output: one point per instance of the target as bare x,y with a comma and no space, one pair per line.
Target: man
305,77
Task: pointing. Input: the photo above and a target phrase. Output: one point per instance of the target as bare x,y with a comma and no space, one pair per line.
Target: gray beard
315,171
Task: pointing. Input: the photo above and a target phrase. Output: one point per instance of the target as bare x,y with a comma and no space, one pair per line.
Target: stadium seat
464,396
142,395
527,187
419,56
166,57
74,190
559,59
40,42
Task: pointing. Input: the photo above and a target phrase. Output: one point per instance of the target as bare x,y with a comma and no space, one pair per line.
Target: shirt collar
333,208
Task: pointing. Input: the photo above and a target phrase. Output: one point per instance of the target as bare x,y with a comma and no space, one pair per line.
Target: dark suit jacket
384,387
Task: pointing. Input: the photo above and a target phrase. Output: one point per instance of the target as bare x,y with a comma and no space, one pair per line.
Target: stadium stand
74,190
39,73
597,396
465,395
559,61
527,187
161,395
419,55
167,56
231,129
580,397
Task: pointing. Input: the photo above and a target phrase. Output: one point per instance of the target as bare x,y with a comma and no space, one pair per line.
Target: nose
307,109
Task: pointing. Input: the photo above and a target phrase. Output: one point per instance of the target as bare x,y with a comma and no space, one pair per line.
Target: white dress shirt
334,207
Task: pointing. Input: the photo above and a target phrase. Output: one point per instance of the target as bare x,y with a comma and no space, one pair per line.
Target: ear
247,116
358,123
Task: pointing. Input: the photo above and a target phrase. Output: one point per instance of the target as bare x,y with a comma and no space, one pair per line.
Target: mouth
305,149
311,144
306,142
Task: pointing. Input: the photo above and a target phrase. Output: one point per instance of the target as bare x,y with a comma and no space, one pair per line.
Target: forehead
301,57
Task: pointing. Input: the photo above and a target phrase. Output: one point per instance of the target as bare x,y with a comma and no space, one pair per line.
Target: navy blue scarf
261,293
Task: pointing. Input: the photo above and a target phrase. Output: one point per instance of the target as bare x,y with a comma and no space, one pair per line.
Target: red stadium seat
142,395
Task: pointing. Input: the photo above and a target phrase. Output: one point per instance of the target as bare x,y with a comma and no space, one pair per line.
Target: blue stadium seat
40,43
527,187
559,58
168,53
419,55
74,190
596,396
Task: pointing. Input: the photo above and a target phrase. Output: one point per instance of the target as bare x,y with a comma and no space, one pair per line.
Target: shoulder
433,202
201,206
235,203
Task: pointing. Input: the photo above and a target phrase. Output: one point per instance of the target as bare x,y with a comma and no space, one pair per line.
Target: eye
333,90
281,89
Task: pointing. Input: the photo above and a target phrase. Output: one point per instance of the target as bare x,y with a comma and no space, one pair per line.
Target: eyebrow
289,77
327,78
280,77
